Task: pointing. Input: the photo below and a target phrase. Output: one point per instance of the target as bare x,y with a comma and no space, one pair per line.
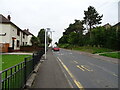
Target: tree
56,43
92,18
41,37
63,39
73,38
76,27
34,40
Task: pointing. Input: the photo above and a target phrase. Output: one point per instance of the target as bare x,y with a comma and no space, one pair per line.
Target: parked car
56,49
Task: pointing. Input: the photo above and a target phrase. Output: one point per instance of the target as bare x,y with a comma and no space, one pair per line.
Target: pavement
50,74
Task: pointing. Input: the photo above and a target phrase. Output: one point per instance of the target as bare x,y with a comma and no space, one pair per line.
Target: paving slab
50,74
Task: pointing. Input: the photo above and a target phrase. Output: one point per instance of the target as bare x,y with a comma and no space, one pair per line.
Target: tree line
106,36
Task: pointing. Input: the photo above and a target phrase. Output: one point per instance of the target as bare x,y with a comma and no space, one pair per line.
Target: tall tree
92,18
34,40
76,27
41,37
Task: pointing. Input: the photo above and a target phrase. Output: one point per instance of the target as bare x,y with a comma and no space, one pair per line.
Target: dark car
56,49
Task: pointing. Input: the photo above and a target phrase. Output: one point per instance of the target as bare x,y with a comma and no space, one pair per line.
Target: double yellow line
78,84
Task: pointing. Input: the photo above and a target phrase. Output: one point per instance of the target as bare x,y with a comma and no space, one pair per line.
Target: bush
64,45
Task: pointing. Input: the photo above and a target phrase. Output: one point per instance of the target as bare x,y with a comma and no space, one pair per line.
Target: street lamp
51,36
47,29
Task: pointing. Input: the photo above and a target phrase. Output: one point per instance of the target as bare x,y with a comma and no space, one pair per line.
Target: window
23,43
18,43
23,35
18,32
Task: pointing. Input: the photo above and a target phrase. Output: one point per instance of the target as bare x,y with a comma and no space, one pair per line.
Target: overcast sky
55,14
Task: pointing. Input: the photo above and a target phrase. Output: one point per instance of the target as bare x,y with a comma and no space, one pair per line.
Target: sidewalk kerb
30,80
33,75
37,68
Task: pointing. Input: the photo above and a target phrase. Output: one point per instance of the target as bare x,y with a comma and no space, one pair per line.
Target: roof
27,32
4,20
118,24
107,25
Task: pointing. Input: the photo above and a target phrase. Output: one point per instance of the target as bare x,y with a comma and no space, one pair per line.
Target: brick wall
4,47
29,48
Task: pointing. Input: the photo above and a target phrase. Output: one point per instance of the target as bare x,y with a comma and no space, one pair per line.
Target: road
85,71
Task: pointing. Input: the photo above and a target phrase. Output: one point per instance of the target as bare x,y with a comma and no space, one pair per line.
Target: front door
13,43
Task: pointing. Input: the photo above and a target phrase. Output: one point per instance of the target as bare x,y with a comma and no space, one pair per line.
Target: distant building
12,34
107,26
117,25
29,36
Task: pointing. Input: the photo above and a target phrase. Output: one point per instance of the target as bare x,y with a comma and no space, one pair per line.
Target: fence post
0,80
25,72
33,58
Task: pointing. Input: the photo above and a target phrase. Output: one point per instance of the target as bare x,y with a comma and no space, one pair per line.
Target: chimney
27,30
9,18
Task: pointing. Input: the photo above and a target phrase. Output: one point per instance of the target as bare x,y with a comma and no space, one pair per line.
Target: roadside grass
92,50
113,55
95,50
11,60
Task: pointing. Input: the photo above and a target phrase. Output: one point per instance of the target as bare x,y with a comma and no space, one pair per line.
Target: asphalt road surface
85,71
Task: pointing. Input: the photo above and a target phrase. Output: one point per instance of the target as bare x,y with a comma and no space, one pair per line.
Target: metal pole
47,29
25,72
45,43
0,80
51,38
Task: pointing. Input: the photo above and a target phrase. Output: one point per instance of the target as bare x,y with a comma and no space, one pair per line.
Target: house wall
24,40
29,40
5,28
11,31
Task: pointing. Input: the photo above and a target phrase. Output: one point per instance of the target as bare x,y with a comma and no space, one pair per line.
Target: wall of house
11,31
5,28
29,38
24,40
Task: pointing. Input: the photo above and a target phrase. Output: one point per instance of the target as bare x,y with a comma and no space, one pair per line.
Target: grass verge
113,55
11,60
92,50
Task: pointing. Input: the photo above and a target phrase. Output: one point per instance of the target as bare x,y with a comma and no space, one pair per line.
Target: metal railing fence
16,76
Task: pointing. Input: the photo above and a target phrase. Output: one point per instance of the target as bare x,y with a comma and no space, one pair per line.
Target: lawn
113,55
11,60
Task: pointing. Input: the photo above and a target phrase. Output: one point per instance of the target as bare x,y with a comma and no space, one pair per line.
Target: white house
28,37
12,34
